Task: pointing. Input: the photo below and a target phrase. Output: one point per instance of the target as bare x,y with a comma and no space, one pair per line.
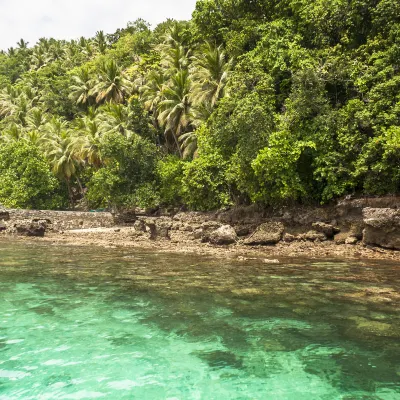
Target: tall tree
175,108
100,41
111,84
81,90
210,72
63,153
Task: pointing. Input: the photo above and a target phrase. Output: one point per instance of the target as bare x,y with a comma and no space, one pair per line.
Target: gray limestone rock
28,228
266,234
223,235
382,227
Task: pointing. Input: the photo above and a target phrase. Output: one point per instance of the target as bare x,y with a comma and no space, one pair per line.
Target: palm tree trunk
70,195
174,134
80,185
156,126
82,193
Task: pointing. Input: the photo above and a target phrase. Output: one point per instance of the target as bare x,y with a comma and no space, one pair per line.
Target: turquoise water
85,323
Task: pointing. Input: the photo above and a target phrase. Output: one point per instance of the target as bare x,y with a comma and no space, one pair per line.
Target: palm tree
39,58
175,57
34,137
21,110
201,112
12,133
82,42
16,101
22,45
188,144
72,53
175,107
36,119
44,44
111,84
151,93
90,135
30,92
85,46
174,50
115,118
55,127
56,50
210,72
82,87
101,42
8,100
63,153
11,51
177,34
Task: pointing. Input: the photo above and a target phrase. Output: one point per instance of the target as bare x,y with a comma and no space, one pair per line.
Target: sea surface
88,323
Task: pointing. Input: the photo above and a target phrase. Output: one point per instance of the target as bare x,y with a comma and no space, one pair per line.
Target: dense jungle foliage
252,101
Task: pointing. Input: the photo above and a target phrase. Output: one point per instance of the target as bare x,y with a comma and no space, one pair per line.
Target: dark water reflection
89,322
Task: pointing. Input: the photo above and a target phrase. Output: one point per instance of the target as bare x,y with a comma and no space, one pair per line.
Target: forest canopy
251,101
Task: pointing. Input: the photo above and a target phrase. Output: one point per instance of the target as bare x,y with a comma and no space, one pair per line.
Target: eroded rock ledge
366,221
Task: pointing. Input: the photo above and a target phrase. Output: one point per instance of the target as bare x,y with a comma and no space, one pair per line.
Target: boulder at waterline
28,228
265,234
382,227
223,235
207,228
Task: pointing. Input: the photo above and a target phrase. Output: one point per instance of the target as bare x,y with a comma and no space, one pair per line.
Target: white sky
70,19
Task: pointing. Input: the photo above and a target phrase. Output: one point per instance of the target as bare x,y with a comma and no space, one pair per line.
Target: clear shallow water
83,323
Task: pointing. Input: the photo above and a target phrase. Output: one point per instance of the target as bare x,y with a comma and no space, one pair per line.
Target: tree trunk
177,144
82,194
80,185
70,194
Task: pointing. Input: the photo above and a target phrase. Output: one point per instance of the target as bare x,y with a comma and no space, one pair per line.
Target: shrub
26,180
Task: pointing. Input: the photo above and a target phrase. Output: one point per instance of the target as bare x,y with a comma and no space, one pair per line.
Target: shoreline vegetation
250,103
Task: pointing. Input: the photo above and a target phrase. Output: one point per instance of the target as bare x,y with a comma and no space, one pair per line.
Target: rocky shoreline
353,228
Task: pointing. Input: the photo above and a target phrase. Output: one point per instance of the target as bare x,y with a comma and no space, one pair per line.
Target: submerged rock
223,235
376,328
382,227
220,359
265,234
